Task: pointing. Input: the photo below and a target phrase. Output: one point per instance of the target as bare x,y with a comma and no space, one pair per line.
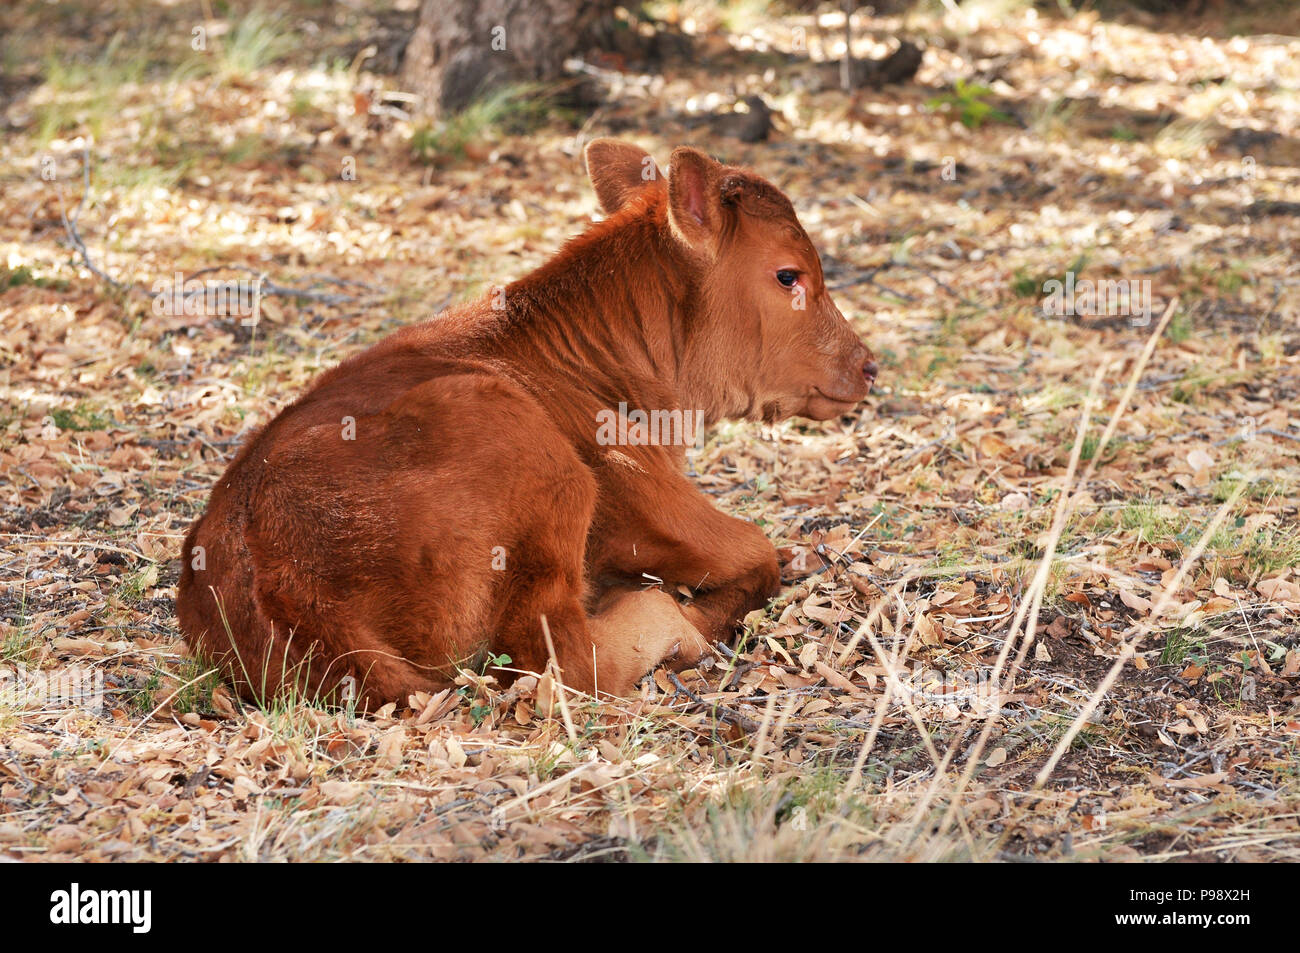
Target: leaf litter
859,715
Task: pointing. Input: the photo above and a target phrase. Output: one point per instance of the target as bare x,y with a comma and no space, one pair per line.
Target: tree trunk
461,48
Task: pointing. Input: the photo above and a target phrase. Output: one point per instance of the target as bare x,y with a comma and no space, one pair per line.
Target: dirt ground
888,705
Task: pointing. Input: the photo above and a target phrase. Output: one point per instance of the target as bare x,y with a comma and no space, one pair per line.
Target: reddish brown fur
373,557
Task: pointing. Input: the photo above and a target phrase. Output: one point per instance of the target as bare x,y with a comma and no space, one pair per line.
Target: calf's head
775,344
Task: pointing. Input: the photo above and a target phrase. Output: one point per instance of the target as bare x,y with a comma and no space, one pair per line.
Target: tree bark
462,48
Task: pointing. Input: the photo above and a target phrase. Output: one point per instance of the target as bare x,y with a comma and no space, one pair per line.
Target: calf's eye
787,277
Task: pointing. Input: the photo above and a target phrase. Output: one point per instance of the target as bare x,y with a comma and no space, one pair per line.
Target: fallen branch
74,234
868,276
270,289
722,712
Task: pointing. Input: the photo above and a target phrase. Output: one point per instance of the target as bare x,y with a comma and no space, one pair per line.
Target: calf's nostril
869,370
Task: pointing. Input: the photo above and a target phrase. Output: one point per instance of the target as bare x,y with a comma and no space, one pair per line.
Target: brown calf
436,497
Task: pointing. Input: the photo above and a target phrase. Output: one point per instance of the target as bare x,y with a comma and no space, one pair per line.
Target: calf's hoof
637,630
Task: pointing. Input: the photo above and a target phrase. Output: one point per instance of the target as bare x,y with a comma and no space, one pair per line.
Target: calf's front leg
665,528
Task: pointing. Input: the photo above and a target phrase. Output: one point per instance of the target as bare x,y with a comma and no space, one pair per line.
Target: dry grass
1042,593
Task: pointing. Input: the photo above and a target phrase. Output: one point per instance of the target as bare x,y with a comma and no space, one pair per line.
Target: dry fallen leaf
341,792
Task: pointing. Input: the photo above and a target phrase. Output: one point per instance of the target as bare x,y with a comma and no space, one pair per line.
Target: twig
870,280
723,713
74,235
559,684
1278,433
846,64
84,543
964,300
271,289
868,276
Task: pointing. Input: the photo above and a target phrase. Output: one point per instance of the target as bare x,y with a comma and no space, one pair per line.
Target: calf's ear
695,198
618,170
